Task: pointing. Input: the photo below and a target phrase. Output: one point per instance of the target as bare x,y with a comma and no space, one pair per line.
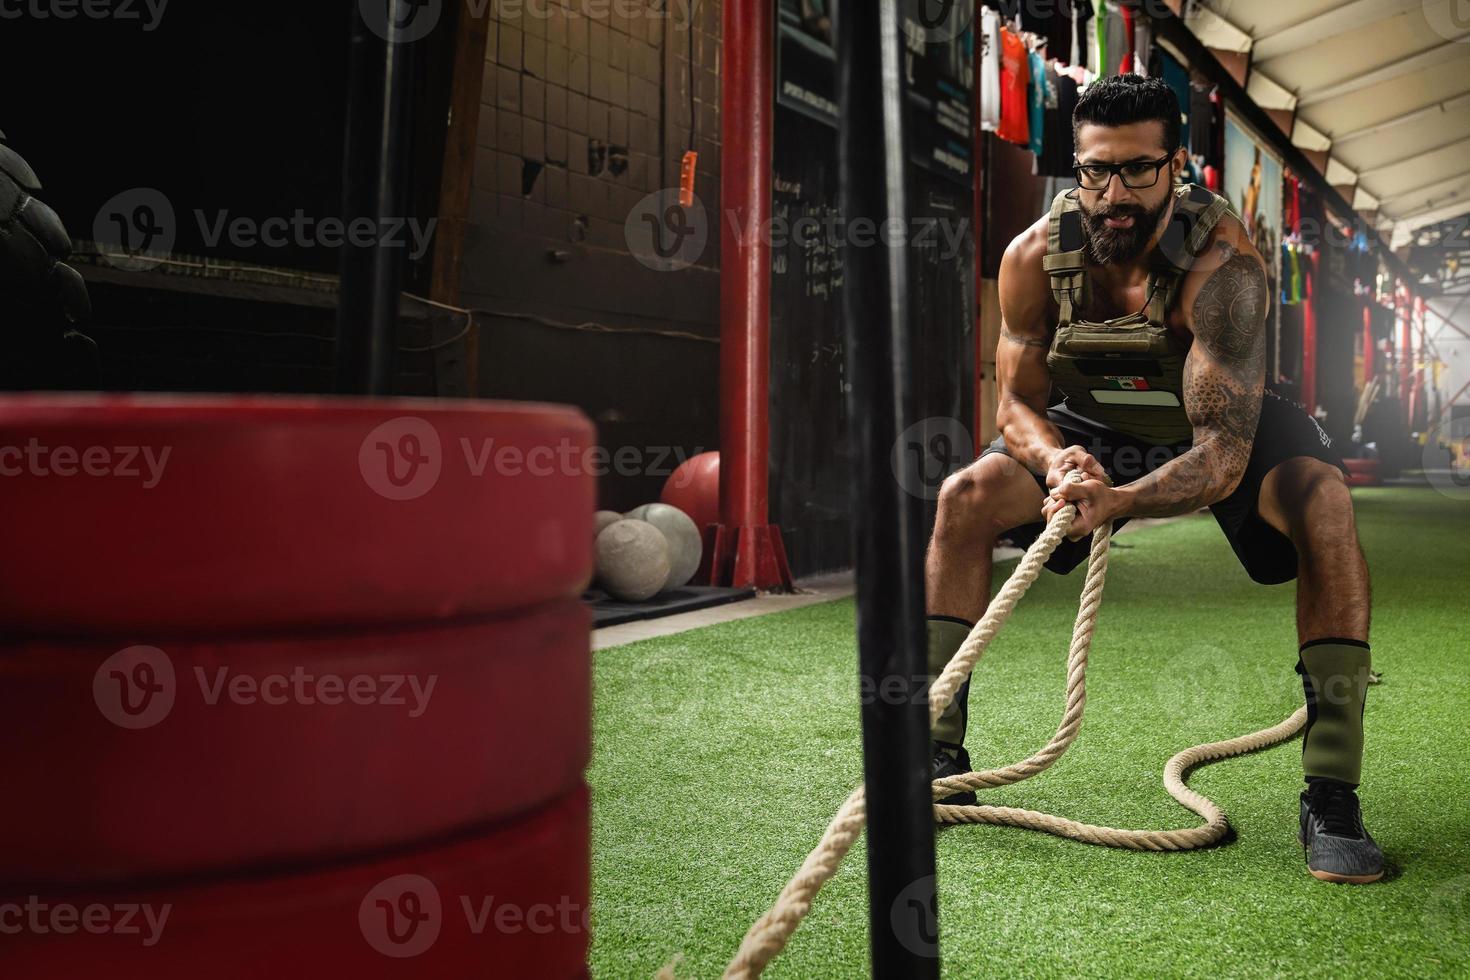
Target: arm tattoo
1023,341
1230,313
1224,377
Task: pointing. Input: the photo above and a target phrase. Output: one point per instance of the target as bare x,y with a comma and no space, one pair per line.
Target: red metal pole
977,157
1419,380
1406,348
1368,366
747,551
1309,338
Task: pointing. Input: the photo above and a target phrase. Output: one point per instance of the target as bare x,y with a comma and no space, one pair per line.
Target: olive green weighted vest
1127,373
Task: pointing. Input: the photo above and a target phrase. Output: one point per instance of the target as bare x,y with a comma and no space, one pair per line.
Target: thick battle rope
768,936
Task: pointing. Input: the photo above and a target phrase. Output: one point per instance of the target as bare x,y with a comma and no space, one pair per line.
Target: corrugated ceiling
1387,82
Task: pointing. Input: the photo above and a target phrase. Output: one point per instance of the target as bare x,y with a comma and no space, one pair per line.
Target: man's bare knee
979,499
1316,504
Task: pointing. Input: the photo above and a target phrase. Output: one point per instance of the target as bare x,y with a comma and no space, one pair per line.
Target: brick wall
563,94
585,112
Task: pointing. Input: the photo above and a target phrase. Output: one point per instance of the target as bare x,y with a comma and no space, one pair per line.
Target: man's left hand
1097,503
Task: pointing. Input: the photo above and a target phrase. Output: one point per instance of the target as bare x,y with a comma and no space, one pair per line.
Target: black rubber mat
607,611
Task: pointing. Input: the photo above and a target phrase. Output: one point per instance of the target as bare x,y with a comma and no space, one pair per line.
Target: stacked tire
1363,472
294,687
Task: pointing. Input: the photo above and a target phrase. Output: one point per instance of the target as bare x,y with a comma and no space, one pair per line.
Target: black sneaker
1339,849
952,761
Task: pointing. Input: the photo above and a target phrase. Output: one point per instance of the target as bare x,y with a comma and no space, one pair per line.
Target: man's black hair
1117,100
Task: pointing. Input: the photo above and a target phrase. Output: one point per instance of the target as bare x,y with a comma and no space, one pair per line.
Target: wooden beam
1318,158
457,178
1284,118
471,35
1238,63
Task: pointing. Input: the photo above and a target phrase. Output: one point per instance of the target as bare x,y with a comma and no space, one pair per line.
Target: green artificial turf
722,753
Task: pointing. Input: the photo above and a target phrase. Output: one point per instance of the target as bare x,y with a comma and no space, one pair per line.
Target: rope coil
770,933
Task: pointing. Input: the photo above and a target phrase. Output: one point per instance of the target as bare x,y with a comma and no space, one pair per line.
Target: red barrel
212,515
216,755
311,674
1362,472
511,901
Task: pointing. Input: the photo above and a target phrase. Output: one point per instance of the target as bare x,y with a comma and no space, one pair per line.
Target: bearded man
1143,304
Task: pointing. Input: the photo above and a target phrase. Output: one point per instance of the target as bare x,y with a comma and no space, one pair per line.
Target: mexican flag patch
1119,383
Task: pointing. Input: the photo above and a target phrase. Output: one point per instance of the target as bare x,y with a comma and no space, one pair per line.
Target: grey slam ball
686,547
603,519
632,560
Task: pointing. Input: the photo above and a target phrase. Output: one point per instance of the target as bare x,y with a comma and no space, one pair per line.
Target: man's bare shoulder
1027,249
1225,297
1025,293
1022,265
1228,240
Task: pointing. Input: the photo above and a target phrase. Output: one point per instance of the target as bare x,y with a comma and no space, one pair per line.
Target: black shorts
1284,432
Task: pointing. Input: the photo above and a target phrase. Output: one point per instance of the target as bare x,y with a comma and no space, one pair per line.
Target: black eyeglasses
1137,175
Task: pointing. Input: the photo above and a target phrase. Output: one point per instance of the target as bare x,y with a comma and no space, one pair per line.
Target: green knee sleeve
945,638
1335,677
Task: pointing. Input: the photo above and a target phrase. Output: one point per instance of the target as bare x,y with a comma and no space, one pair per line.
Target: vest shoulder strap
1197,211
1066,259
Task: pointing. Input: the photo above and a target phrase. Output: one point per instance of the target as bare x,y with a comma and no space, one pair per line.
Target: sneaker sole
1338,879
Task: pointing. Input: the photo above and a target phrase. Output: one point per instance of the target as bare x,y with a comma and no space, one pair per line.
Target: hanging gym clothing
1057,149
1177,78
1292,205
1051,21
1097,58
1064,25
1038,103
1143,39
989,70
1199,119
1079,46
1120,38
1015,85
1204,123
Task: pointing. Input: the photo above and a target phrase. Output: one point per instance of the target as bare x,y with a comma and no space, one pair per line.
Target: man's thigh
1289,447
1122,457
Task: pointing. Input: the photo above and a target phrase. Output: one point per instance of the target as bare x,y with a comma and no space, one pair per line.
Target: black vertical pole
887,552
374,164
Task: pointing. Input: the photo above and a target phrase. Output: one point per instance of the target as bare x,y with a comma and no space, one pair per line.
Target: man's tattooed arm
1224,377
1006,335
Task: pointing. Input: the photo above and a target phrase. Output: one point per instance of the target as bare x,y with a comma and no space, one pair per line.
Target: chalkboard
810,458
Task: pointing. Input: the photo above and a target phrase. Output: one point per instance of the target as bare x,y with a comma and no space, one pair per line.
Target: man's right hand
1063,461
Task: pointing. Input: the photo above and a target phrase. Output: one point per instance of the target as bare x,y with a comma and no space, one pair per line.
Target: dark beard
1110,246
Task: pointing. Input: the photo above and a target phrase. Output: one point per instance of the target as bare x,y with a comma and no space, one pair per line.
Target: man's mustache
1126,211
